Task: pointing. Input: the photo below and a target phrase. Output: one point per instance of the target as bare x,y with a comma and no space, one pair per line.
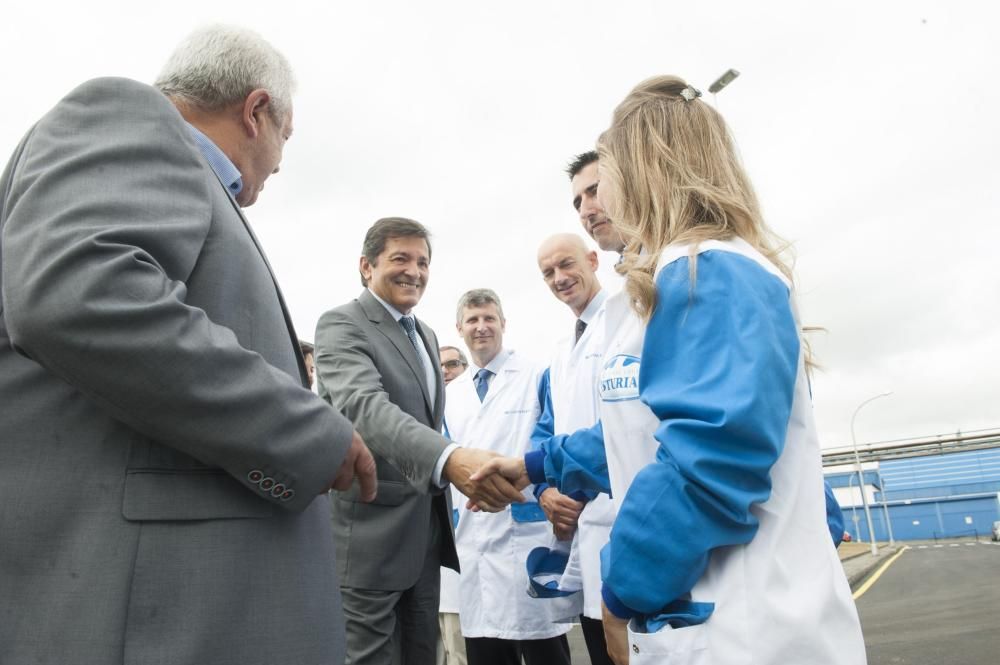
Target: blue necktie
483,383
411,331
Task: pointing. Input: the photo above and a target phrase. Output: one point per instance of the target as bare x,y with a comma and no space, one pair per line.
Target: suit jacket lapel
300,361
430,343
394,332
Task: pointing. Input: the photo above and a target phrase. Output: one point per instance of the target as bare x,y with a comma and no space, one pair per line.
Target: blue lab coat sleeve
576,464
719,365
541,438
544,428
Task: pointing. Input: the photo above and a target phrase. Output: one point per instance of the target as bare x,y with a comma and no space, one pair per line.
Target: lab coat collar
594,306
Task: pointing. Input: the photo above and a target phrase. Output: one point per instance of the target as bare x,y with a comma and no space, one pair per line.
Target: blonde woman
720,552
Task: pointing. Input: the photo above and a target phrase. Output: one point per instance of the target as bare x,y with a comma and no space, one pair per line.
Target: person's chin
609,242
407,299
568,294
602,231
247,200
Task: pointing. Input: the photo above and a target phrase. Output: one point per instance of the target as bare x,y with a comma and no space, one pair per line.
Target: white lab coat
448,601
573,382
492,547
782,585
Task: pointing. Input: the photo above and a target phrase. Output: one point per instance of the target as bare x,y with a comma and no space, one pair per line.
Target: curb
855,556
863,571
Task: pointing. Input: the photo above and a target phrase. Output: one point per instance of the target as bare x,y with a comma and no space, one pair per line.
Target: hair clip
690,93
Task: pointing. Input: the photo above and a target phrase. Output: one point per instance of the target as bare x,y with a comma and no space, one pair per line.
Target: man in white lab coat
569,269
582,172
495,406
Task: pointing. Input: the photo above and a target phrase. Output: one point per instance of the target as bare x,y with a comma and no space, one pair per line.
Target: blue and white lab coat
574,400
492,547
720,550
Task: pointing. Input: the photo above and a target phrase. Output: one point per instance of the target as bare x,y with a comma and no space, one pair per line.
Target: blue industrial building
933,496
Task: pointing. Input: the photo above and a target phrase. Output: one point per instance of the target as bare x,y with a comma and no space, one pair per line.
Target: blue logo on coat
620,379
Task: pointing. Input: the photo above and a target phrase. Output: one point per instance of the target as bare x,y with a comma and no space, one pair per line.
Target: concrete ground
936,604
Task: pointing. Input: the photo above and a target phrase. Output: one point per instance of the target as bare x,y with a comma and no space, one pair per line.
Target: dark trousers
393,627
593,635
493,651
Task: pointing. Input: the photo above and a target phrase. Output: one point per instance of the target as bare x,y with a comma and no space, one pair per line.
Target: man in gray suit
160,454
378,365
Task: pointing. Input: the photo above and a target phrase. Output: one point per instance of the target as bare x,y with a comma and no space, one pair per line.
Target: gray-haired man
162,455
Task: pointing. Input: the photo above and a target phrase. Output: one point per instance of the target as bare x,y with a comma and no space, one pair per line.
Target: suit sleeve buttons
268,485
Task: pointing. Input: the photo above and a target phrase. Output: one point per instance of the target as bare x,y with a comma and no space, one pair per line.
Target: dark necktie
483,383
581,325
411,331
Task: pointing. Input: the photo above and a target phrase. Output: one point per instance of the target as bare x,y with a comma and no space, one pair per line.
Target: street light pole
861,478
854,509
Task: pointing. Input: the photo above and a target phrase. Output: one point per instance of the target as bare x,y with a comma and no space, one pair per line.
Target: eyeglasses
452,364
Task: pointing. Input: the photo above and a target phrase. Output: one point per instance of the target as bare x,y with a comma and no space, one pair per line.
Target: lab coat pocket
529,511
667,645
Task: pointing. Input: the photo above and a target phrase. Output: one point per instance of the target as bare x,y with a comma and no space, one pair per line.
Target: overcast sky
869,130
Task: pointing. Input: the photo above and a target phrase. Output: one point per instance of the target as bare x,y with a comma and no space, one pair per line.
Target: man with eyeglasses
453,363
451,650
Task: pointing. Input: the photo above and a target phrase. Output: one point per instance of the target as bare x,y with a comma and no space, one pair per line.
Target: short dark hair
581,161
391,227
306,347
478,298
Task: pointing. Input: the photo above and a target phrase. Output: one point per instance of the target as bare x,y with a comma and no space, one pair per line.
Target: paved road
937,604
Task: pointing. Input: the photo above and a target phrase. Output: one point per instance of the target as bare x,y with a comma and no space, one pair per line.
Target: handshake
490,481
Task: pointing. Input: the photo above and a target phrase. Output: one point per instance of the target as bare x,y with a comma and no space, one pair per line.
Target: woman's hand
616,635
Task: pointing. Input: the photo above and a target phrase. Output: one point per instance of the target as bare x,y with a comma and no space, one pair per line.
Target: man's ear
592,259
365,269
256,104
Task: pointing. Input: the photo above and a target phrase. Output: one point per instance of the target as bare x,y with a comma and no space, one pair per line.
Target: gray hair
461,356
478,298
220,65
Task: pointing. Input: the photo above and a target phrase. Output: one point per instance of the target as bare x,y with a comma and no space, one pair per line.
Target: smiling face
592,216
482,327
569,270
399,274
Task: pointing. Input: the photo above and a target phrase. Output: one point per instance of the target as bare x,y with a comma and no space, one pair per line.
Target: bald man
569,269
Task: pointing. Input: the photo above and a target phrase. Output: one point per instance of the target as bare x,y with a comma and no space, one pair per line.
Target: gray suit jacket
160,457
369,370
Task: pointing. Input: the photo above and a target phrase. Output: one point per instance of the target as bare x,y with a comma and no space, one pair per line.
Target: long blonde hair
675,178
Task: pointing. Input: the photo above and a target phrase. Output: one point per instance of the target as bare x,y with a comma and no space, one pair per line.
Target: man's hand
562,511
357,462
490,492
616,636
